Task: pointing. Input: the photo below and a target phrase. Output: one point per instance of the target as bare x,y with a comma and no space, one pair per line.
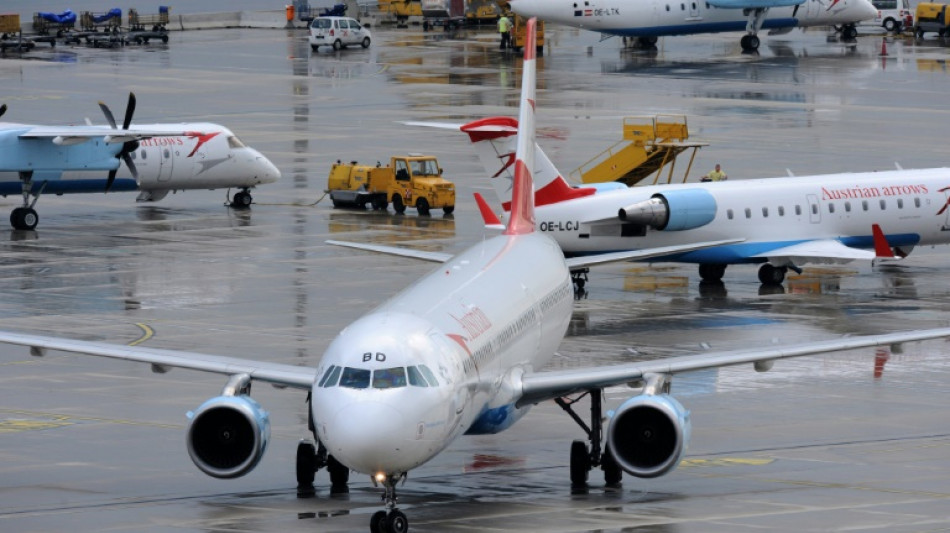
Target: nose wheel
392,520
242,200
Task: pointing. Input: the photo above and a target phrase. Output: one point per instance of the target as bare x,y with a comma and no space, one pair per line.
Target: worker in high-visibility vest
716,175
504,28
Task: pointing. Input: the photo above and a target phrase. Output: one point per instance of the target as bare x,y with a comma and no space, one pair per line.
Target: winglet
881,247
522,198
489,216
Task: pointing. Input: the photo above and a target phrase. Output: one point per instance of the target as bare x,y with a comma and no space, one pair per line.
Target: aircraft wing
584,261
300,377
753,4
77,134
827,250
542,386
435,257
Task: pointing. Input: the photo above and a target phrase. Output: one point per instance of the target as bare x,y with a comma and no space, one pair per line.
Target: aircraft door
811,8
694,9
814,209
166,163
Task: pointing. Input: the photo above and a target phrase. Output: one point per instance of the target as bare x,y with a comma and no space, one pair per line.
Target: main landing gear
25,218
584,458
242,199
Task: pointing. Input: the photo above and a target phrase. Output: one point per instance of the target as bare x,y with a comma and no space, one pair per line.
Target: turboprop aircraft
458,352
158,158
647,20
784,222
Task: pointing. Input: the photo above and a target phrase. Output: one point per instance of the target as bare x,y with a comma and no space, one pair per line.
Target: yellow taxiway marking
147,334
16,420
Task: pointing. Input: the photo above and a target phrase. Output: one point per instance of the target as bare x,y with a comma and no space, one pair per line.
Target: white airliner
458,352
784,222
159,158
648,19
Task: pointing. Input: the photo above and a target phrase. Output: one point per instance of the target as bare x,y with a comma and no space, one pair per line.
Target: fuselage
209,157
443,357
910,206
655,18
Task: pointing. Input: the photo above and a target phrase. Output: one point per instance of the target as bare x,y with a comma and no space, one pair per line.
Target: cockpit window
326,375
388,378
234,142
331,377
430,377
355,378
415,377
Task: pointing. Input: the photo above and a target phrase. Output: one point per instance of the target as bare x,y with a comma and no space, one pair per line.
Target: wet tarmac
852,441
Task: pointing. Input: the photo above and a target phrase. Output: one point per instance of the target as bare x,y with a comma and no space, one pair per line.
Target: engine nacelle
228,435
673,210
648,434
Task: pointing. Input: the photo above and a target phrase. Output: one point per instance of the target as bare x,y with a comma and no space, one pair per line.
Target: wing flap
276,373
547,385
585,261
825,250
435,257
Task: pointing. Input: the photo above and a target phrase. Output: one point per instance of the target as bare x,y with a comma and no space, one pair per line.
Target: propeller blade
111,179
109,118
129,110
129,163
3,109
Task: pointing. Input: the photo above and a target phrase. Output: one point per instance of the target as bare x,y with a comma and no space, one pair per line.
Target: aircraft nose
266,171
867,9
371,437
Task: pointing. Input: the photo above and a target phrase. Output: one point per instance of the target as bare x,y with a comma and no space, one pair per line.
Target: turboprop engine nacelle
672,210
228,435
648,434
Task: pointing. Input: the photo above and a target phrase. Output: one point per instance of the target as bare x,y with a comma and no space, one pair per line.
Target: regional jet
458,352
159,158
646,20
784,222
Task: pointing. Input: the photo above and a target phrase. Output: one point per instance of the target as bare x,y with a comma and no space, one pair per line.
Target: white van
892,15
338,32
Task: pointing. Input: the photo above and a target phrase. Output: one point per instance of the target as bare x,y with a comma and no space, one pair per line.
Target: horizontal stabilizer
825,250
753,4
585,261
435,257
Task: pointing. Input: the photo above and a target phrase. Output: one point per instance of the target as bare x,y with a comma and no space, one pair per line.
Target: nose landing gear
393,520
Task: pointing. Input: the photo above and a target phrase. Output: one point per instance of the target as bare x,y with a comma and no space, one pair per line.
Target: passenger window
748,213
166,153
415,377
883,204
765,212
355,378
847,207
798,210
900,203
143,154
916,202
781,210
389,378
864,204
667,7
682,7
831,208
430,377
729,214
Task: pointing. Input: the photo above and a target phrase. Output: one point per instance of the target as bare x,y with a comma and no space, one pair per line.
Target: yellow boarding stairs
648,145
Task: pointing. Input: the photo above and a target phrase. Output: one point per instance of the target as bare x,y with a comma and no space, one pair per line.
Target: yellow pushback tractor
408,181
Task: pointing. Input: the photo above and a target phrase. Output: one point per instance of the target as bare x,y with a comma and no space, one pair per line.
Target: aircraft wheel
24,218
241,200
849,32
771,275
749,43
613,474
580,463
711,271
398,523
339,474
448,209
398,205
378,523
422,206
306,463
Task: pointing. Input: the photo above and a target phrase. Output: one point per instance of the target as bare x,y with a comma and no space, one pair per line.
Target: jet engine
648,434
228,435
673,210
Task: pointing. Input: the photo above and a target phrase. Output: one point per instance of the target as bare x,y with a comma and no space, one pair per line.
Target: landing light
380,477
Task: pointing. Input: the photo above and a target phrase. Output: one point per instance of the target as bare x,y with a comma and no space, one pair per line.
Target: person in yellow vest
716,175
504,28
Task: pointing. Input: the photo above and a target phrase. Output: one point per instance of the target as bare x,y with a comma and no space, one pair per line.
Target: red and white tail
522,191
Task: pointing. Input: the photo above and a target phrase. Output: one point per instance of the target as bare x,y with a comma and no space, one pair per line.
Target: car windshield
425,167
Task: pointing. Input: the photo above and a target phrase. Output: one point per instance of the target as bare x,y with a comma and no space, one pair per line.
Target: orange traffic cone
883,46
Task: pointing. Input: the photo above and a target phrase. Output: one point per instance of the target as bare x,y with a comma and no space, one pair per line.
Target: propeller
128,146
